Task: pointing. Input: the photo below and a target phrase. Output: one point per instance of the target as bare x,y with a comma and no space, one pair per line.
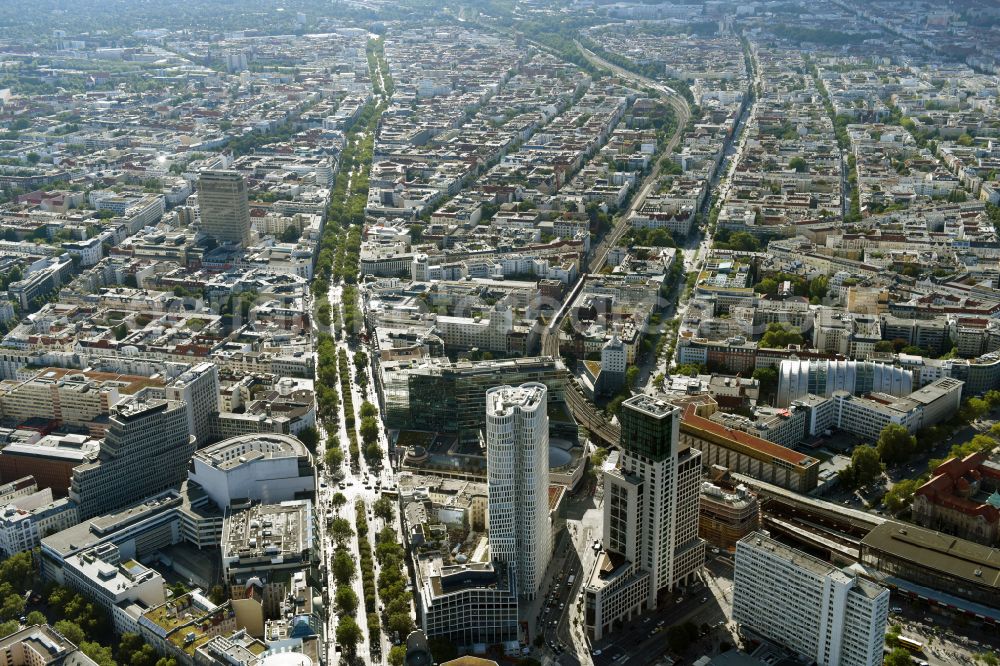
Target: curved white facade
798,378
517,457
268,468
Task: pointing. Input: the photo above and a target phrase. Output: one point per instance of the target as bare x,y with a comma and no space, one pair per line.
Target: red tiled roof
746,439
954,475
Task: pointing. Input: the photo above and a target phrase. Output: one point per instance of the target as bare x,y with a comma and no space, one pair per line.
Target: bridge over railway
818,526
583,410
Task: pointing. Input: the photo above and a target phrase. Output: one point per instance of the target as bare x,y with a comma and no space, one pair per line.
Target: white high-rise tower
517,456
832,617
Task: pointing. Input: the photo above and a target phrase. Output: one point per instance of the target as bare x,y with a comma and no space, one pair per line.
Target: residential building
123,589
824,614
179,627
25,519
517,460
69,398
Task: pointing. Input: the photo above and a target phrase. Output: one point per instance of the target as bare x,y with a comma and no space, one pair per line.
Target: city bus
910,644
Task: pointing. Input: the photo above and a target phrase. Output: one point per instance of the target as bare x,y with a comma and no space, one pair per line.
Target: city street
707,605
365,485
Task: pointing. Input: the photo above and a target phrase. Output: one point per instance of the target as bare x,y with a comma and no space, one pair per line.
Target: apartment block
805,604
40,645
262,546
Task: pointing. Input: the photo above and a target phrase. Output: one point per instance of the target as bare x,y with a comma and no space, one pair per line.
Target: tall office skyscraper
517,457
225,211
198,389
662,480
651,539
806,604
146,450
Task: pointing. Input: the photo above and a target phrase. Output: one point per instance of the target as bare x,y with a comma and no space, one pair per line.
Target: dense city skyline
567,332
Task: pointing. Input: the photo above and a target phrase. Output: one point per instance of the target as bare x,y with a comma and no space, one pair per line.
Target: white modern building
466,604
821,612
263,468
614,357
651,503
125,590
798,378
517,458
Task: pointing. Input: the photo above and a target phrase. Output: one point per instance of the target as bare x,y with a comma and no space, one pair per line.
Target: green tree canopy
779,336
334,458
340,530
310,437
369,430
347,600
348,633
36,617
71,630
343,566
901,494
384,508
397,655
865,467
895,444
768,378
898,657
